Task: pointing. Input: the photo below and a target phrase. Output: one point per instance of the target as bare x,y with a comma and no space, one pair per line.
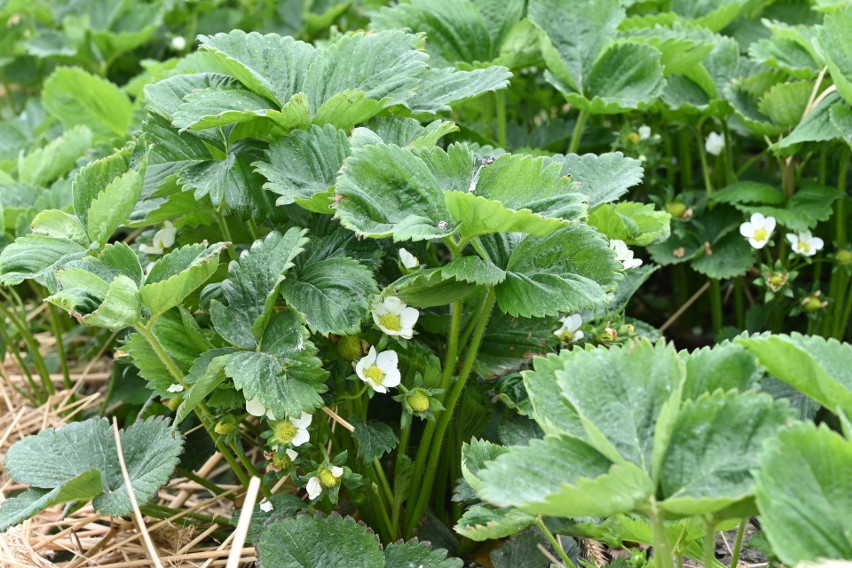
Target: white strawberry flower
644,132
758,229
292,454
570,330
394,317
408,260
714,143
175,388
163,239
293,431
624,254
257,408
266,506
805,244
324,479
380,371
178,43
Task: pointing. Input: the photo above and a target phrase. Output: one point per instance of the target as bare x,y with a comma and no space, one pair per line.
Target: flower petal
301,437
314,488
392,378
255,407
302,421
387,360
336,471
747,229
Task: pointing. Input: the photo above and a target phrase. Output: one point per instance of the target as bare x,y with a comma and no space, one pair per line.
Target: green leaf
307,541
731,256
333,294
252,286
481,523
76,97
784,103
716,442
841,118
375,439
59,225
816,126
412,553
563,477
474,270
346,109
113,206
601,177
91,301
52,458
726,366
430,287
576,42
442,87
216,106
177,274
510,343
562,272
57,158
35,257
304,164
285,374
803,495
834,43
816,366
749,192
270,65
475,456
18,509
91,180
633,223
207,373
389,191
810,204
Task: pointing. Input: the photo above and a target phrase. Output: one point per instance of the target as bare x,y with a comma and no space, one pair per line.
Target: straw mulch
86,538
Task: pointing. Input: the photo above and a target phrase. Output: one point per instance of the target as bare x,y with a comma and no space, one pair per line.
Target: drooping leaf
803,495
488,523
633,223
34,257
52,458
18,509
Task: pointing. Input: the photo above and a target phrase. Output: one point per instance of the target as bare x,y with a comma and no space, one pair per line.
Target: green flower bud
418,400
844,257
349,347
223,428
676,209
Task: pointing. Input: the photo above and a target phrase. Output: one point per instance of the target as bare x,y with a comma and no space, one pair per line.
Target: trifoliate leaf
177,274
803,494
715,445
307,541
375,439
52,458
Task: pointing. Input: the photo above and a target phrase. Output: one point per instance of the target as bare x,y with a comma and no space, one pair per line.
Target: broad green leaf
715,445
810,204
430,287
413,553
57,158
52,458
563,477
112,207
749,192
562,272
389,191
633,223
35,257
475,456
487,523
304,164
620,394
115,307
731,256
307,541
816,126
785,54
841,118
682,48
285,373
402,132
346,109
602,177
474,270
207,373
165,97
375,439
270,65
573,44
726,366
169,152
784,103
804,495
252,286
333,294
75,97
385,65
216,106
816,366
177,274
442,87
59,225
835,45
509,344
18,509
712,14
91,180
626,76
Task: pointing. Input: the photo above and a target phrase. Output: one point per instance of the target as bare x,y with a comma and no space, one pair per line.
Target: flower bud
418,400
349,347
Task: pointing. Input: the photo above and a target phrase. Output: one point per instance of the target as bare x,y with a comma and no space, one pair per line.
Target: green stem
662,550
252,471
842,324
226,232
60,347
383,481
500,103
710,545
738,544
355,396
453,344
206,483
424,490
705,170
750,162
739,303
840,215
396,503
554,542
716,305
578,132
685,160
730,176
32,349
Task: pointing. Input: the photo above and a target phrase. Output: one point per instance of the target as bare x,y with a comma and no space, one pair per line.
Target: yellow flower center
391,322
760,235
375,374
285,432
326,478
803,247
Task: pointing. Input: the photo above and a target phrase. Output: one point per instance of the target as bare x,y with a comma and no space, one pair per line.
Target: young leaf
803,494
113,206
177,274
52,458
76,97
